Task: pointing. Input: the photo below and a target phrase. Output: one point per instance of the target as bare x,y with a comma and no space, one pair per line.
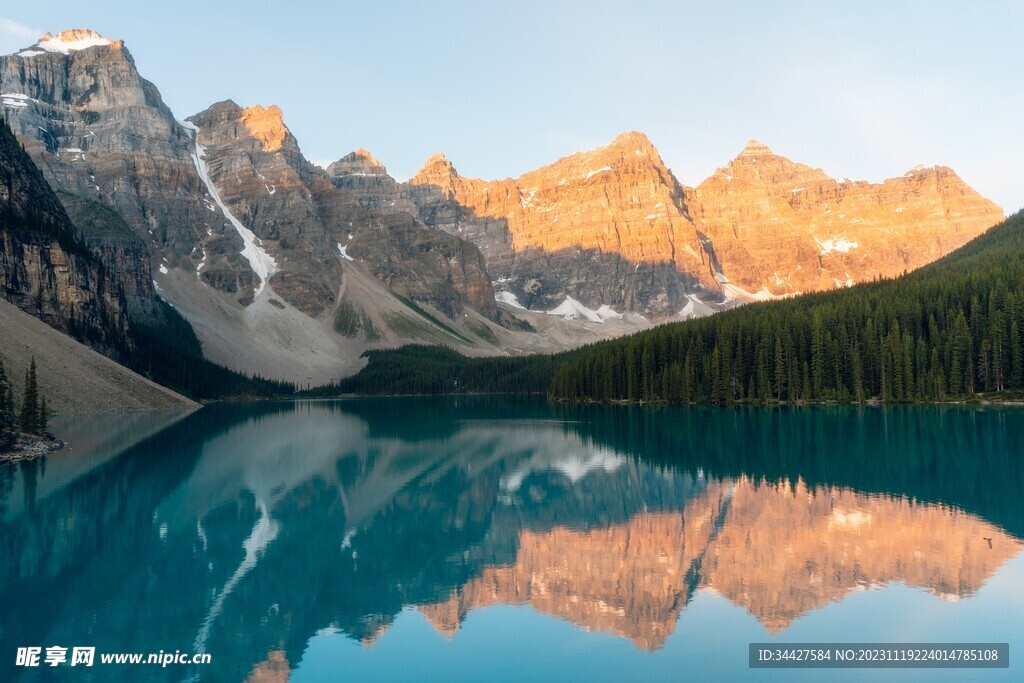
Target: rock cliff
99,130
208,215
366,179
614,227
226,207
606,227
779,227
313,228
46,267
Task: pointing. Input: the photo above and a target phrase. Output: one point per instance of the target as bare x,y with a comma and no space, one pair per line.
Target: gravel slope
74,378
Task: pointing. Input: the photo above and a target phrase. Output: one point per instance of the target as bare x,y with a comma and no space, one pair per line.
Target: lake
490,539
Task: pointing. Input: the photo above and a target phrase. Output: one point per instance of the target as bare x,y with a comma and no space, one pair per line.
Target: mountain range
291,271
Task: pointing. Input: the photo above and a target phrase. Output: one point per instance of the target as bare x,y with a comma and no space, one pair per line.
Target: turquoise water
472,539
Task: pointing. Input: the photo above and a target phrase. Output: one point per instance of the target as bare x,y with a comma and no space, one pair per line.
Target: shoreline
28,447
965,401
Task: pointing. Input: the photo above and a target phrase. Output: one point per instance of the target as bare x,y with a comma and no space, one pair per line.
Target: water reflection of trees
453,504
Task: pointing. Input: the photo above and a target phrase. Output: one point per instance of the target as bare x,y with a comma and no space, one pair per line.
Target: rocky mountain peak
363,155
436,170
438,160
767,216
604,227
266,124
66,42
97,129
920,171
359,162
225,110
757,163
756,148
634,141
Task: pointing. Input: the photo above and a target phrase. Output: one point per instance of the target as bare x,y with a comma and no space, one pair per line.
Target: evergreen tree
8,419
30,401
43,417
780,369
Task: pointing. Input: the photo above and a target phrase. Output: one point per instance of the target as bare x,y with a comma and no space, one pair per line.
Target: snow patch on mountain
262,263
570,309
509,298
733,293
839,244
66,42
16,100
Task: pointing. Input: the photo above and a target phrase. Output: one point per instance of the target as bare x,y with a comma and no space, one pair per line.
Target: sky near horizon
862,90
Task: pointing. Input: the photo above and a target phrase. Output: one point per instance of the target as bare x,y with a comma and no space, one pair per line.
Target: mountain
613,227
608,227
90,280
46,268
366,179
224,203
287,270
100,131
949,330
780,228
313,228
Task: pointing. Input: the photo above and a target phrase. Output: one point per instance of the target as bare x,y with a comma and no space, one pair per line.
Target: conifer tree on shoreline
33,414
8,418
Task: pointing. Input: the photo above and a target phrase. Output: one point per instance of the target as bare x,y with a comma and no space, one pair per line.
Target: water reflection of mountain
970,458
244,530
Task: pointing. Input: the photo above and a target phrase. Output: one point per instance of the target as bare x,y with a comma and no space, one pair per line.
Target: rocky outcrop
779,227
46,268
606,227
123,255
614,227
99,130
313,228
366,179
217,212
227,207
263,180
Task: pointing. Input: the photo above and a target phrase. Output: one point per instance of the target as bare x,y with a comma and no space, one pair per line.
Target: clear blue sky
860,89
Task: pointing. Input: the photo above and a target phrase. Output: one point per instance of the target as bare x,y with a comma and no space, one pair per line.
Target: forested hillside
440,370
949,330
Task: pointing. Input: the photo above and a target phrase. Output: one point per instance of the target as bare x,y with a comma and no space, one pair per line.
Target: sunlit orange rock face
620,198
592,224
266,125
783,227
777,551
608,226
